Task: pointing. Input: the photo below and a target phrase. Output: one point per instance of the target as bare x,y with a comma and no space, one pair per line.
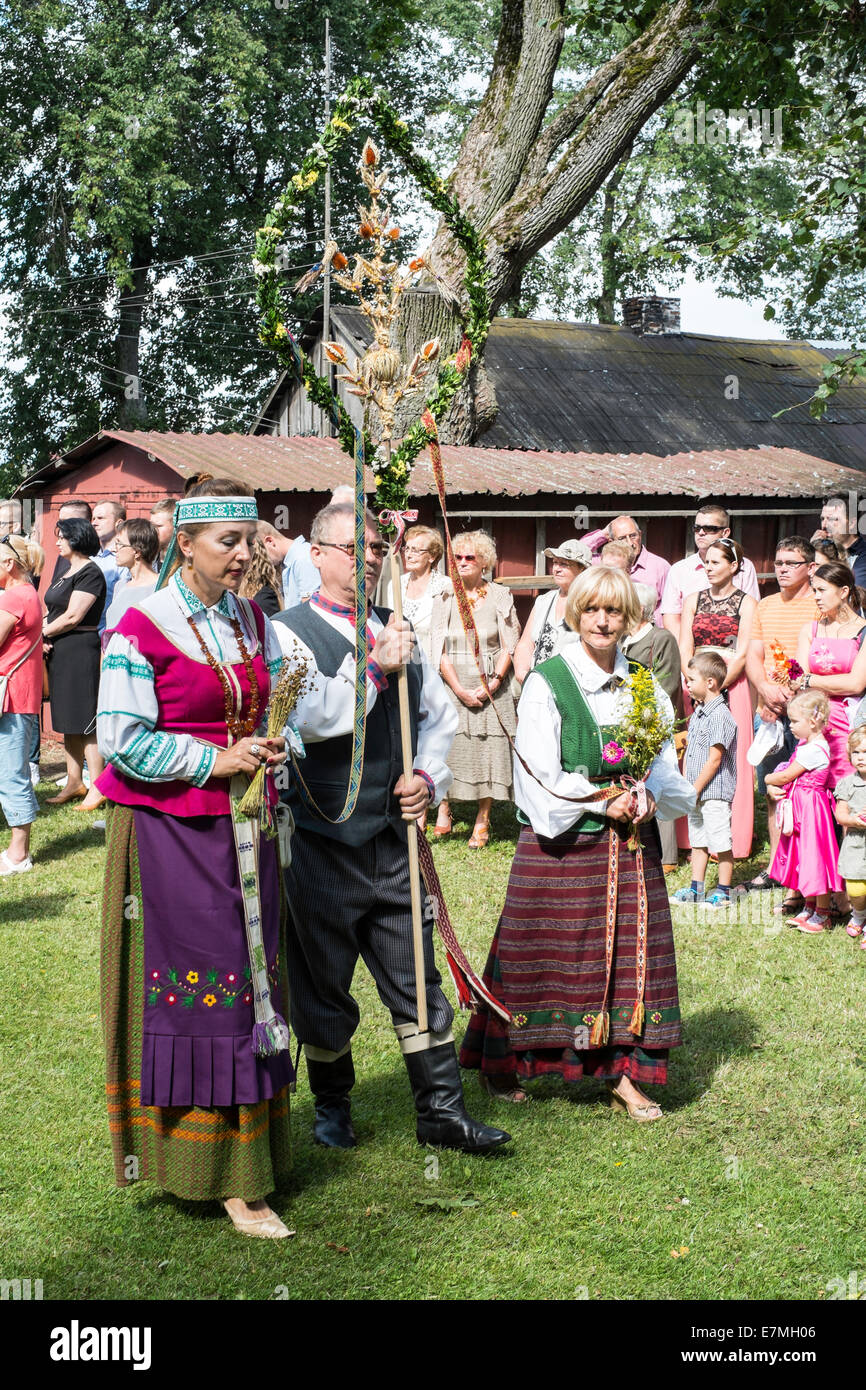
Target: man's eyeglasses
470,558
789,564
375,547
709,530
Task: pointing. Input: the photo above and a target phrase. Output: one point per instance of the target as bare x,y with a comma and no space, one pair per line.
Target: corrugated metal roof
601,389
273,463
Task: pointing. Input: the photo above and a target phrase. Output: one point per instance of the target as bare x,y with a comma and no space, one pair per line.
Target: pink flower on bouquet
612,753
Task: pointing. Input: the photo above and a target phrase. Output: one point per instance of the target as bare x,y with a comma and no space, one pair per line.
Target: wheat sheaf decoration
374,276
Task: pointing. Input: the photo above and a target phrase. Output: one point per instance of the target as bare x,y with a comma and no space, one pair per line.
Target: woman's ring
255,749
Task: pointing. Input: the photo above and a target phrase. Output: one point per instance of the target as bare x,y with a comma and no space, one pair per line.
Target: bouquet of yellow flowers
641,734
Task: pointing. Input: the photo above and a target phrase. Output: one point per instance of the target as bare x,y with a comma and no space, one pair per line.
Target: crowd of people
159,641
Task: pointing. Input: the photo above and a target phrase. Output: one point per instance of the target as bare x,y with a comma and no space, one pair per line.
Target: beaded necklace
478,596
238,728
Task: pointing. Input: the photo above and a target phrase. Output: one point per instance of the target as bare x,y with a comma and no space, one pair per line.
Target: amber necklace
479,594
238,728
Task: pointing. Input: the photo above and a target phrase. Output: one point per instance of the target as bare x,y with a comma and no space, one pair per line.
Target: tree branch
568,120
506,126
657,63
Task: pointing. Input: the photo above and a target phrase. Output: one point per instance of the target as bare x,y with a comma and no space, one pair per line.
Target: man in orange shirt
778,618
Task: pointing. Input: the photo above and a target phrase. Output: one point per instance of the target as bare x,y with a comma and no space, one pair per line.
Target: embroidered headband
197,509
203,509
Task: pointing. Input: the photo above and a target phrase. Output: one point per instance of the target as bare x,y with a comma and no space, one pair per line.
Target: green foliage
158,136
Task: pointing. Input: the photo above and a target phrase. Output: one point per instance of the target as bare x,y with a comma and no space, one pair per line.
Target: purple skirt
198,1011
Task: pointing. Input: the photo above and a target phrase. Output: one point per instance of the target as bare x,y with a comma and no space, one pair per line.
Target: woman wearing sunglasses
481,754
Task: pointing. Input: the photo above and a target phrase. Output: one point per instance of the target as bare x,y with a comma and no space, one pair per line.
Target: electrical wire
243,248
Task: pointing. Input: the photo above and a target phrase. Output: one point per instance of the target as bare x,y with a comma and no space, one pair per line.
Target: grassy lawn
749,1187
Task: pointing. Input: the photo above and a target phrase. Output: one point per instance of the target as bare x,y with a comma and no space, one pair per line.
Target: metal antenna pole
326,367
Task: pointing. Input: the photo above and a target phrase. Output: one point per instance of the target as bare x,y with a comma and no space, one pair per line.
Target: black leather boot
330,1083
442,1119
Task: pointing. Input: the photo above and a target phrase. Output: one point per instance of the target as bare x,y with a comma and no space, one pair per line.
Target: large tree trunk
521,181
130,393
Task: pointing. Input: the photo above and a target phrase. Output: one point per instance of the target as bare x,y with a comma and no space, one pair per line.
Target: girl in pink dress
832,653
807,852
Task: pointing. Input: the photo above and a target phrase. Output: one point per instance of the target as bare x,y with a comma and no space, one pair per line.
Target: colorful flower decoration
192,976
210,1000
655,1016
171,999
612,753
154,974
520,1019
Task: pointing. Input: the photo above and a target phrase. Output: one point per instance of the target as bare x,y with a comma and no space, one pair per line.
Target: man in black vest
348,884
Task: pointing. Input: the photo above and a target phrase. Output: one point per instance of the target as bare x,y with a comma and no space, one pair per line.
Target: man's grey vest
325,769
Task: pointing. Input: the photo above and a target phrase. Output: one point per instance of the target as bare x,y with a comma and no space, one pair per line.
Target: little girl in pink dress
807,852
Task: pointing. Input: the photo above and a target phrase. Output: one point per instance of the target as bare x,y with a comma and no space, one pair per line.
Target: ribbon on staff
359,723
463,605
600,1030
471,990
389,518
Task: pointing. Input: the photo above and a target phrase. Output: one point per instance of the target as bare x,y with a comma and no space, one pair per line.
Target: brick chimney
651,315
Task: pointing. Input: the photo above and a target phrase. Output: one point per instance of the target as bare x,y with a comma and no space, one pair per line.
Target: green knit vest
581,738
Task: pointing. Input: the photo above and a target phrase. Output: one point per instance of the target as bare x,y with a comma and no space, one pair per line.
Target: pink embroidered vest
191,701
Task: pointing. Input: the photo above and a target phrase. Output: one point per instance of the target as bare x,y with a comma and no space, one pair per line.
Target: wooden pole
326,368
412,826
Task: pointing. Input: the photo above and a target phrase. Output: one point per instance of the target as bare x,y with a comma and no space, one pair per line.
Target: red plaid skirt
547,965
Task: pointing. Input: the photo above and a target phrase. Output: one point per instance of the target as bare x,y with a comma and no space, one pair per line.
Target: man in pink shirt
688,576
646,568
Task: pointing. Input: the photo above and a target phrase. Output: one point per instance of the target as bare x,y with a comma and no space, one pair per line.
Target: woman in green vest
583,956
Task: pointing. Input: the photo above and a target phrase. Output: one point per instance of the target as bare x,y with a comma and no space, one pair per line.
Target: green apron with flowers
581,738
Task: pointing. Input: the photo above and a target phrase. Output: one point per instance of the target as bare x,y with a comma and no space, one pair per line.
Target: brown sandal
513,1091
480,834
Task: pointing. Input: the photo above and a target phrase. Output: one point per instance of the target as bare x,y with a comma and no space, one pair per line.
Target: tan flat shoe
62,797
269,1227
642,1114
92,801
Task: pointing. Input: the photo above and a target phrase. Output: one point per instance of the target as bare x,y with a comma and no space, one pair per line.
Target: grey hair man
348,884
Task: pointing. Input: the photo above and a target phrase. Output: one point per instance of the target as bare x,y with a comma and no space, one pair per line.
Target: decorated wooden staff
381,380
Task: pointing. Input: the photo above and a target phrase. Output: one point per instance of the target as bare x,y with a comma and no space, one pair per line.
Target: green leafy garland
360,99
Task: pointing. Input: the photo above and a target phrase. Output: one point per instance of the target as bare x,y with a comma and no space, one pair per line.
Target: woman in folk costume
194,993
589,977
